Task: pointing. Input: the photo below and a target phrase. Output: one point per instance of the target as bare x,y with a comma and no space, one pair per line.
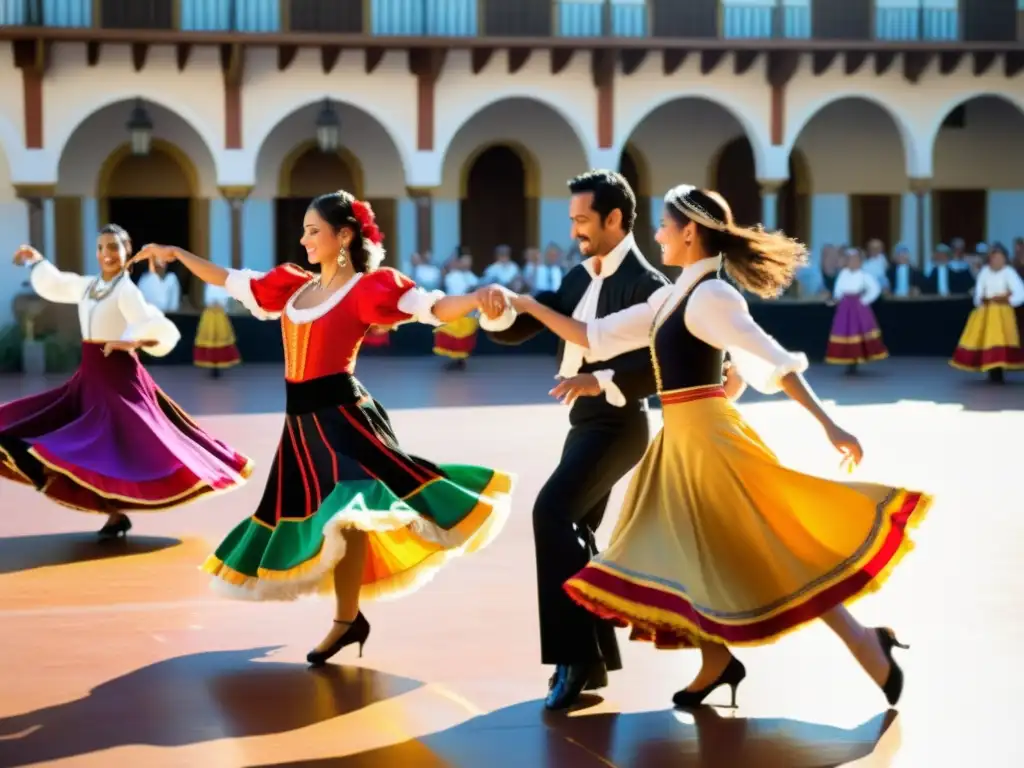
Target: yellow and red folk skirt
991,339
719,541
215,345
456,339
855,337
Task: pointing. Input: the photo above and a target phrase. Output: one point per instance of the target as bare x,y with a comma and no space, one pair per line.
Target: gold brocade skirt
991,339
718,541
215,345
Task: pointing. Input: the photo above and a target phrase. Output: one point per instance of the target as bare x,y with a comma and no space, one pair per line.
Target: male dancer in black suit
609,430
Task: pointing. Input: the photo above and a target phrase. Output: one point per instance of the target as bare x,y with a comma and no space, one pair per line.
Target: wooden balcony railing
884,20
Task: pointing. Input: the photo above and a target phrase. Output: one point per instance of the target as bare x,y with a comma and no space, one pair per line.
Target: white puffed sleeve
1016,286
871,290
625,330
419,303
718,315
500,323
239,287
145,322
56,286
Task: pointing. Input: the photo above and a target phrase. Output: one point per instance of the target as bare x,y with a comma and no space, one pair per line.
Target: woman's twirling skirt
215,345
855,336
339,467
991,339
110,440
718,541
457,339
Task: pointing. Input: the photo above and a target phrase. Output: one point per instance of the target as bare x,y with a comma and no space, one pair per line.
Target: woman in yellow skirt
718,543
215,346
991,339
457,340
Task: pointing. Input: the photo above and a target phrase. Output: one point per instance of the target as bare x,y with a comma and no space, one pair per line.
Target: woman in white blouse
991,339
719,544
855,337
109,440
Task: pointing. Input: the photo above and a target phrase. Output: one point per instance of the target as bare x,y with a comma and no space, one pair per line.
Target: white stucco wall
857,134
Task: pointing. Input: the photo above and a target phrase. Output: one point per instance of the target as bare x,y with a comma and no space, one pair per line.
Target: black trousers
602,446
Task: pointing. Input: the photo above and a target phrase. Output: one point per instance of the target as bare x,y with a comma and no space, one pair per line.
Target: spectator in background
876,263
818,282
958,255
977,260
502,271
549,274
457,340
161,287
531,260
903,278
941,279
425,274
1018,255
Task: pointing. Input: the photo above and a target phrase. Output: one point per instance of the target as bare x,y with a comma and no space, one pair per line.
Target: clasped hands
495,300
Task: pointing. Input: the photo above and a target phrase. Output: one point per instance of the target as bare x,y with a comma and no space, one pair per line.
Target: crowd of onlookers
539,271
953,270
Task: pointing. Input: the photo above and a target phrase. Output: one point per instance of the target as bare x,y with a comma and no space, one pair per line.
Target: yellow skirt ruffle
719,541
991,339
215,345
456,339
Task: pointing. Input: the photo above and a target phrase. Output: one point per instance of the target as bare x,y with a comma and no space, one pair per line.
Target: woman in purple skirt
109,440
855,337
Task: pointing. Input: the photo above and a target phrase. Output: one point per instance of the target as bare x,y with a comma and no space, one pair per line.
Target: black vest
681,360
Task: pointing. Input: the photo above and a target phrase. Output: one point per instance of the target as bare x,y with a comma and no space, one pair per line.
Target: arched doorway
736,179
306,173
977,159
155,198
495,207
632,166
858,191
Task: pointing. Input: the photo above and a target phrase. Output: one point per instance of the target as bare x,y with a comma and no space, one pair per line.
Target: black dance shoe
569,682
358,631
893,687
114,530
732,675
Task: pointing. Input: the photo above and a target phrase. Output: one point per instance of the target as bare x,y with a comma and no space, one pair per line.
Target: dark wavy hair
611,191
760,262
121,234
341,210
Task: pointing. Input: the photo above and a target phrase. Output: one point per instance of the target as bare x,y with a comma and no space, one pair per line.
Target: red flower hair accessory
367,222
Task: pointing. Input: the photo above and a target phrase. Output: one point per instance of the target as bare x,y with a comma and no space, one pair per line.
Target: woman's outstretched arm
207,271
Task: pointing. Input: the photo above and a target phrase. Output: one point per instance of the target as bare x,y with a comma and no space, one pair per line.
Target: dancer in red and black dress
345,508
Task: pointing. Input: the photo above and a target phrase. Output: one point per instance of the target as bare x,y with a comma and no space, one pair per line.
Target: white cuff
158,329
611,391
763,376
239,287
500,323
420,304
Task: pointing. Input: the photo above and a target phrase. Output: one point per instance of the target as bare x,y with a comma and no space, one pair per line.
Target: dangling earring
342,260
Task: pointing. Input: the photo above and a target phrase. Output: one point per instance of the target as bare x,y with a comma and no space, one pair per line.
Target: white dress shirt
573,355
427,275
859,282
877,267
941,279
123,314
548,277
993,284
716,314
164,293
501,272
902,287
459,282
215,296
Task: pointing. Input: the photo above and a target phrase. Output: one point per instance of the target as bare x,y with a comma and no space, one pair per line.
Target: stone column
423,199
770,202
236,197
921,189
35,197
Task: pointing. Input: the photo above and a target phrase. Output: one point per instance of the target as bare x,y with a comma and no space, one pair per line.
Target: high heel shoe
358,631
111,531
893,687
732,675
